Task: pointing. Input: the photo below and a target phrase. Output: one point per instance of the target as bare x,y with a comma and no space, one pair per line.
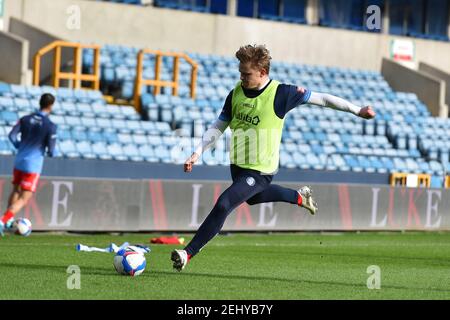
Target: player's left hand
367,113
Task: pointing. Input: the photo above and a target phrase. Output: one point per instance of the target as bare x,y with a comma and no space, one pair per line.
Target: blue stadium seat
100,150
5,147
130,113
64,134
22,104
104,123
163,154
437,182
85,109
68,149
436,167
85,150
140,139
147,153
34,92
88,122
154,140
68,108
134,126
79,135
4,88
73,121
166,116
95,135
125,138
163,127
8,118
116,151
424,167
18,91
110,136
6,103
132,152
148,127
120,126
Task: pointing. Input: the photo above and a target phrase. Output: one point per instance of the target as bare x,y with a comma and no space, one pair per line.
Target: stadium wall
429,89
429,69
167,205
157,28
37,39
14,58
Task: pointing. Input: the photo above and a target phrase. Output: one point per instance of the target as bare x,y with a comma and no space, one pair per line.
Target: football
129,262
22,227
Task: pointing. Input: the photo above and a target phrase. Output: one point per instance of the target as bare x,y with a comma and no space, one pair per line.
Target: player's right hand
190,162
367,113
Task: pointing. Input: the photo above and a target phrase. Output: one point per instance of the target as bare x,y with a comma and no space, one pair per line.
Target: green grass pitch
284,266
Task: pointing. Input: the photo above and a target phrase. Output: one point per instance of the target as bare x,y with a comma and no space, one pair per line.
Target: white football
129,262
23,226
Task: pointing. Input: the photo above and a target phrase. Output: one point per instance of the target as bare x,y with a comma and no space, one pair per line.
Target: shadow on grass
85,270
296,281
426,260
103,271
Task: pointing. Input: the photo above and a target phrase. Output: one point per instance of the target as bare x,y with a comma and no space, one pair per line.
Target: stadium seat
325,138
8,117
68,149
132,152
85,150
4,88
147,153
100,150
140,139
110,136
95,135
79,135
5,147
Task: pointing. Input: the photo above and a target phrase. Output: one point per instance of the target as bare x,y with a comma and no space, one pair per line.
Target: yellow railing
447,181
157,83
76,75
423,180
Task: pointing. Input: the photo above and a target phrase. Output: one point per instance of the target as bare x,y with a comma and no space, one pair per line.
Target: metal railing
157,83
423,180
76,75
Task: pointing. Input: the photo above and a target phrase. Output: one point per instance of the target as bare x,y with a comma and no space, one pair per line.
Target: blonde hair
257,55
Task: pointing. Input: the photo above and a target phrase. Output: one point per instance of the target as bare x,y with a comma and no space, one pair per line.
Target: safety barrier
76,75
157,83
410,180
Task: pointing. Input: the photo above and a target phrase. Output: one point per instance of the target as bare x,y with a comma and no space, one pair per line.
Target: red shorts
27,181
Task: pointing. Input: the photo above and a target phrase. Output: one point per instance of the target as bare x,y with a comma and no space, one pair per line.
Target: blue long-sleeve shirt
38,135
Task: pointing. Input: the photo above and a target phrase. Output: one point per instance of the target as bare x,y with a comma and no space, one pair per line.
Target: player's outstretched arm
209,138
330,101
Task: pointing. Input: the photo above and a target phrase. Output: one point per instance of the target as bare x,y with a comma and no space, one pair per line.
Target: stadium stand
403,138
341,14
221,72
